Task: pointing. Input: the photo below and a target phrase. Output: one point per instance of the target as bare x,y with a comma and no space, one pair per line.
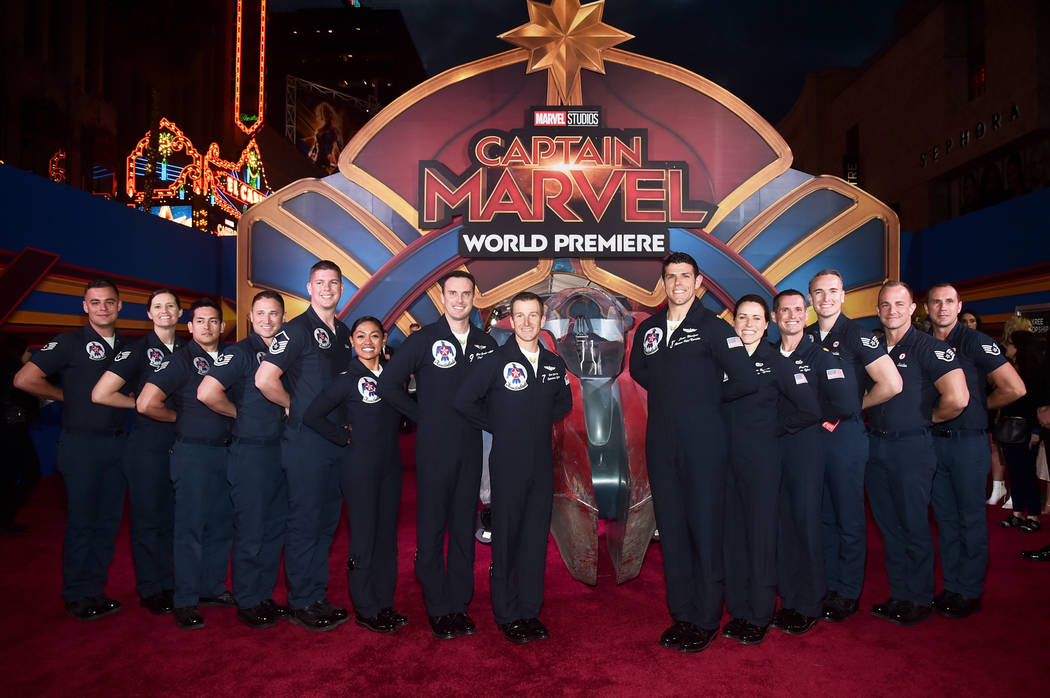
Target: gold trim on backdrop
363,216
617,284
521,282
385,194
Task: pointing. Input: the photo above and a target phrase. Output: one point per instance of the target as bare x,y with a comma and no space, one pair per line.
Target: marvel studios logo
565,117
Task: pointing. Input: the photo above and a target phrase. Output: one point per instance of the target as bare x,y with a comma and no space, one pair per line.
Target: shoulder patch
992,349
223,359
49,346
121,356
870,342
279,342
163,365
946,356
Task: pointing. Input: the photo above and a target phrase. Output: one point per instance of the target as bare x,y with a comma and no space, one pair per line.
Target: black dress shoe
92,607
463,624
536,629
276,610
374,623
754,634
1041,555
224,599
734,628
957,606
314,618
887,609
393,617
800,625
1030,526
672,637
909,613
697,639
159,604
337,614
1011,522
839,609
188,618
784,617
256,617
443,627
516,632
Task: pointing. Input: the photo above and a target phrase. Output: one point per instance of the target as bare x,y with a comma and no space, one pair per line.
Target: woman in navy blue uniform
350,414
752,484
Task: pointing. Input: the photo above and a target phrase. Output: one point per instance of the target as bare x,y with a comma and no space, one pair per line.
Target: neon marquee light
251,123
172,140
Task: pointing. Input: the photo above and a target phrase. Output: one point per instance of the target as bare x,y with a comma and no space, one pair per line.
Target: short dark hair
897,284
204,303
784,294
525,297
272,295
827,272
752,298
457,274
943,284
326,265
161,292
101,283
679,258
366,318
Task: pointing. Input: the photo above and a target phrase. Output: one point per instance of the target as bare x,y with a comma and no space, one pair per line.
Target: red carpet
604,638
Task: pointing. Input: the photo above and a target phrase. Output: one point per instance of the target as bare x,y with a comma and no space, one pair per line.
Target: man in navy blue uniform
902,459
203,513
845,445
963,457
151,498
308,353
689,361
517,394
817,396
253,464
448,452
90,447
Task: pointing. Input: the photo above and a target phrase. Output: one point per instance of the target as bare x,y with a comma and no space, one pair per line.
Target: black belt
95,432
205,442
897,434
257,442
949,433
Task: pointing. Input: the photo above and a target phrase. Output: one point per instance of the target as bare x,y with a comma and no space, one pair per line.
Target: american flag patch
734,342
835,373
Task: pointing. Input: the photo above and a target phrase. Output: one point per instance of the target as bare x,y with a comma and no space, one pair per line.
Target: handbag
1011,430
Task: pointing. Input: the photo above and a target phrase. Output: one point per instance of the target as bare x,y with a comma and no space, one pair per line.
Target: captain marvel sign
561,186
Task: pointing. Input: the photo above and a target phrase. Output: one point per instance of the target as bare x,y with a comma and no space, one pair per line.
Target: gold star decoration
563,38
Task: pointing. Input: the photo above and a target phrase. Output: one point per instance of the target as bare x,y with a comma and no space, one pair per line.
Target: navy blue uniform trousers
963,463
260,511
203,521
151,509
311,468
90,467
899,480
751,538
842,507
373,495
800,554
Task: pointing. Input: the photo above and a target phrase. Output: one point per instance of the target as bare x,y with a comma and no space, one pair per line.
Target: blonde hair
1013,324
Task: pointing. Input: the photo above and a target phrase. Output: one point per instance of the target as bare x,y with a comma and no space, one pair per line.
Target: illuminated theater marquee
572,188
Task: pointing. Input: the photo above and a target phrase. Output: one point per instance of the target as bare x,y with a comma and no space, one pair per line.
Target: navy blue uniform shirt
135,365
257,417
310,358
921,360
684,373
754,416
518,406
857,346
440,365
815,387
978,355
179,377
79,358
353,398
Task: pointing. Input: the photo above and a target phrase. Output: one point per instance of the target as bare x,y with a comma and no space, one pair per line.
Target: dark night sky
759,50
